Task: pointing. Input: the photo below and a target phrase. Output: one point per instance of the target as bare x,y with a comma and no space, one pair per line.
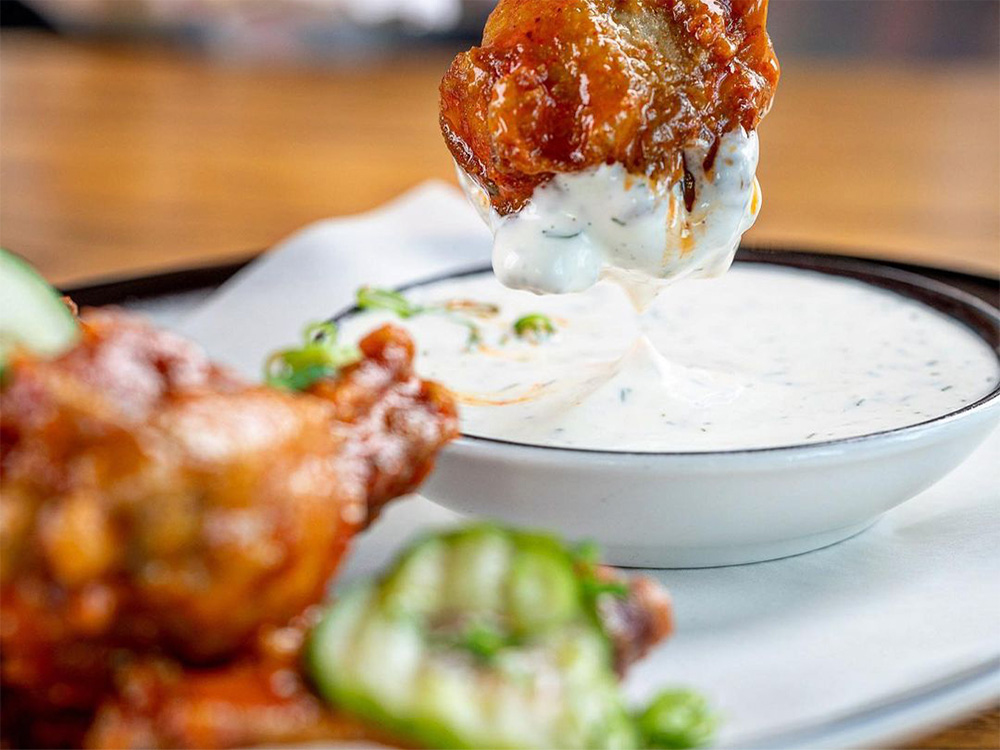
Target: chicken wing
168,531
588,116
155,504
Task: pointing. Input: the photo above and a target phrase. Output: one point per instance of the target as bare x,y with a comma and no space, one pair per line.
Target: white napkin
315,273
792,652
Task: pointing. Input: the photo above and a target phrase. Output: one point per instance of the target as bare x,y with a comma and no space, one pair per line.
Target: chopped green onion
676,719
320,356
587,553
373,298
534,327
594,588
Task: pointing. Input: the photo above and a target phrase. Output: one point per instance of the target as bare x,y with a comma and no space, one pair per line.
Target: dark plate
118,290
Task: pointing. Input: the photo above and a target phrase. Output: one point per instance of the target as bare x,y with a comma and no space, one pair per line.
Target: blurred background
144,134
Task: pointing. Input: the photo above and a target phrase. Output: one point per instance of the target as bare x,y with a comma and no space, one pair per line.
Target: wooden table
118,160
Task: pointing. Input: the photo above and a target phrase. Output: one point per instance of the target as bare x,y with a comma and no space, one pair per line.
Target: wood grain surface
118,159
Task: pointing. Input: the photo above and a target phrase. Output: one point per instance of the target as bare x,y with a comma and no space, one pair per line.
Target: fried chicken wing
160,704
155,504
611,112
168,531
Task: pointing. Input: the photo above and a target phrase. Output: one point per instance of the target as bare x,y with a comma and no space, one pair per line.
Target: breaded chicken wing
168,533
155,504
611,133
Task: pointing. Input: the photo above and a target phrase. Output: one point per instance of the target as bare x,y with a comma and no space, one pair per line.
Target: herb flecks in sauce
758,358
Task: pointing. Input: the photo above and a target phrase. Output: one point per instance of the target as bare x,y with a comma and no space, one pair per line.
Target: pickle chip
482,637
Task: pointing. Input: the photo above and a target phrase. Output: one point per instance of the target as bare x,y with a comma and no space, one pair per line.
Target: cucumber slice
482,637
32,314
676,718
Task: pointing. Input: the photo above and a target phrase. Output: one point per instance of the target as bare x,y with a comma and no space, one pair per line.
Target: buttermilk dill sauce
761,357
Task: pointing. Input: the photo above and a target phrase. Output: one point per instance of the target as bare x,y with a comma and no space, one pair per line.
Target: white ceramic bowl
726,507
703,509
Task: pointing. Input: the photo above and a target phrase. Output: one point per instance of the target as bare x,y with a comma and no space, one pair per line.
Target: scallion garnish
320,356
586,557
374,298
677,718
534,327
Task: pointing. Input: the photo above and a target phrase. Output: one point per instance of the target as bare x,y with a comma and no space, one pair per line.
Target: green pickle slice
481,637
32,313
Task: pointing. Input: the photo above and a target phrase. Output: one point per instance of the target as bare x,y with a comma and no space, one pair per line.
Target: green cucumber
676,718
32,313
481,637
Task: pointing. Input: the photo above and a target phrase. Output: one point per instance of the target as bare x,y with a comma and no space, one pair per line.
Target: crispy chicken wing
625,126
564,85
167,529
153,503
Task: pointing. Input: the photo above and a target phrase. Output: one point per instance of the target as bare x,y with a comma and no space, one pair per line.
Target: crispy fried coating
259,701
565,85
638,621
156,505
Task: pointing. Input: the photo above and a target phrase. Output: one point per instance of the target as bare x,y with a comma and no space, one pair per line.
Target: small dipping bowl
726,507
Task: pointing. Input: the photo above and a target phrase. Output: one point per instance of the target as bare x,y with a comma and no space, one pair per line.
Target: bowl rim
975,314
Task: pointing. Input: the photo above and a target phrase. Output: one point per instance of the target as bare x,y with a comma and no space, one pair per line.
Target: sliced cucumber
482,637
32,314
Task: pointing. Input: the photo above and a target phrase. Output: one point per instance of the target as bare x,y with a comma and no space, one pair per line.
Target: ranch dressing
760,357
606,223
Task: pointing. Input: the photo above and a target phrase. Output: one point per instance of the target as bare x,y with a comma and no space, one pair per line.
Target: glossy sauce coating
156,506
566,85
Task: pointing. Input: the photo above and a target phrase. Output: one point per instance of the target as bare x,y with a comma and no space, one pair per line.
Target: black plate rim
116,288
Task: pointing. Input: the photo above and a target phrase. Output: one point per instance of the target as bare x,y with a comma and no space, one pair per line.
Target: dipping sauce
605,222
761,357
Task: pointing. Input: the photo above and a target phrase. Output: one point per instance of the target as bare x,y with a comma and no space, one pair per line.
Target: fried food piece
565,85
612,139
155,504
636,621
260,701
267,700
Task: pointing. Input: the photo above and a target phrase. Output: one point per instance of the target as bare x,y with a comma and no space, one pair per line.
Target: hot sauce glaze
567,85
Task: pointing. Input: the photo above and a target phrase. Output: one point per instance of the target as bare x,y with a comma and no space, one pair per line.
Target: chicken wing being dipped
612,138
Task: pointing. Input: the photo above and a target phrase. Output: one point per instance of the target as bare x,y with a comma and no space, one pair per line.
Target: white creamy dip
604,222
760,357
